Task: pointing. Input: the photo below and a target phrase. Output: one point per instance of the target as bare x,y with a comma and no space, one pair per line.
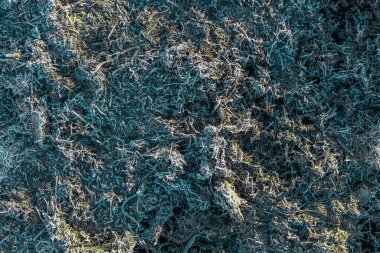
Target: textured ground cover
186,126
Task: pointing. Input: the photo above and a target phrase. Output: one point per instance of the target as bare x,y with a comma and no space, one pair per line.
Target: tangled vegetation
189,126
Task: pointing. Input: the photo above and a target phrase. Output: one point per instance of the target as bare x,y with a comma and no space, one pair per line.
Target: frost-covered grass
185,126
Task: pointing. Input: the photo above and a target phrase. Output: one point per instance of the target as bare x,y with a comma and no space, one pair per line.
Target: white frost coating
7,4
6,163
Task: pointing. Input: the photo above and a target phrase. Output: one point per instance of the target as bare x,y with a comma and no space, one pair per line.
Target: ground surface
181,126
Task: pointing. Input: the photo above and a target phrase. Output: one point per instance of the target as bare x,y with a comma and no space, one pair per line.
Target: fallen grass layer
180,126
